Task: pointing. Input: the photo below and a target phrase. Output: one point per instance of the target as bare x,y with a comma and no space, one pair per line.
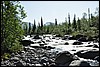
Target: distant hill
49,23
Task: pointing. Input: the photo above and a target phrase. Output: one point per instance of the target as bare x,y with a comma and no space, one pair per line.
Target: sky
49,10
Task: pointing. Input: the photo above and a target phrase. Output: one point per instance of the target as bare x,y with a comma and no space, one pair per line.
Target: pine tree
34,27
56,22
74,22
69,20
38,28
41,22
89,16
78,24
29,29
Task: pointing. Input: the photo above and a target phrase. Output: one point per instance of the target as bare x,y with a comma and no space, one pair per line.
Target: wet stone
79,63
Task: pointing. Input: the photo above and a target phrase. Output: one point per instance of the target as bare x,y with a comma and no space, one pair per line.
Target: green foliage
11,30
16,46
6,56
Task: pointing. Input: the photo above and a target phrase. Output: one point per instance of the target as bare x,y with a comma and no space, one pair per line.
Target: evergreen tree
89,16
78,24
42,31
56,22
74,22
69,20
34,27
38,29
41,22
29,29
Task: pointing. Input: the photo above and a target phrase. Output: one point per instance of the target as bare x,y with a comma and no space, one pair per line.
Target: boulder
64,57
26,42
79,63
96,58
71,38
77,43
58,35
87,54
37,37
66,43
18,64
95,46
83,39
44,60
14,59
12,54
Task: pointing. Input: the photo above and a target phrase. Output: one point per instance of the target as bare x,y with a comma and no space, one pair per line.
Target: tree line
86,26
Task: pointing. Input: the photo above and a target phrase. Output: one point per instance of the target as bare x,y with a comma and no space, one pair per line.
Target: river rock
26,42
77,43
95,46
37,37
64,57
88,54
96,58
66,43
83,39
18,63
14,59
79,63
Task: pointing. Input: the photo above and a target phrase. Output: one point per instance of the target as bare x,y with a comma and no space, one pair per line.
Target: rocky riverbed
54,51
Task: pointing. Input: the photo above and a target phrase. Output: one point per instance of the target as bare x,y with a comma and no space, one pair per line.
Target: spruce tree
56,22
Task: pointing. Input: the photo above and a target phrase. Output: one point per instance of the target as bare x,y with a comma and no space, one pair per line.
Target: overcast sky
49,10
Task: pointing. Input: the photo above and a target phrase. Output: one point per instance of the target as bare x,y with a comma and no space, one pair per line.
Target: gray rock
96,58
12,54
28,64
77,43
26,42
19,64
87,54
64,58
14,59
44,60
25,59
23,62
96,46
79,63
